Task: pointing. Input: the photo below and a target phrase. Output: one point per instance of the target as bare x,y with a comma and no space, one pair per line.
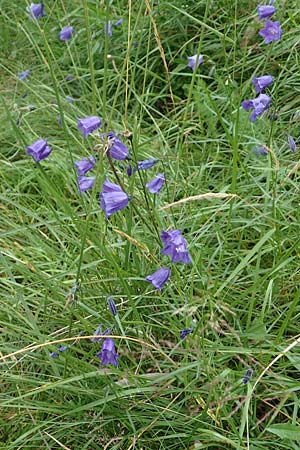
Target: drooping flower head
146,164
88,125
159,278
35,10
259,105
84,165
292,144
271,32
175,246
108,354
85,183
109,28
112,198
265,11
66,33
39,150
185,332
112,306
156,184
261,83
117,149
23,75
260,150
192,60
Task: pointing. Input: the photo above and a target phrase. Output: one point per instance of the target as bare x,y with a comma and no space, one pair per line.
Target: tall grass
240,295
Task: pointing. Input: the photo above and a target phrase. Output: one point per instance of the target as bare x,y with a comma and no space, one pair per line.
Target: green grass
241,293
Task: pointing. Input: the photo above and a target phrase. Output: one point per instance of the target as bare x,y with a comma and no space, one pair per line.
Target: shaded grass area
241,294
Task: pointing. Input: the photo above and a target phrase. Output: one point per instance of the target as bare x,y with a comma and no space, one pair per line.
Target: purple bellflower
108,354
66,33
99,332
112,198
292,144
259,105
129,170
175,246
185,332
271,32
265,11
62,348
39,150
193,59
260,150
109,28
118,150
118,22
112,306
159,278
261,83
247,377
156,184
23,75
54,355
35,10
88,125
69,77
146,164
84,165
85,183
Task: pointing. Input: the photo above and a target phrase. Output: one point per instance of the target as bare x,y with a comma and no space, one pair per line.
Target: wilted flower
265,11
146,164
260,83
185,332
23,75
84,165
118,150
108,354
88,125
292,144
35,10
112,198
66,33
70,99
193,59
39,150
85,183
109,28
159,277
118,22
247,377
156,184
112,306
175,246
271,32
259,105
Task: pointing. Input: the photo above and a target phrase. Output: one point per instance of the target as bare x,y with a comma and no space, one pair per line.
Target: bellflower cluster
175,246
88,125
39,150
258,104
82,167
112,198
160,277
192,61
66,33
108,354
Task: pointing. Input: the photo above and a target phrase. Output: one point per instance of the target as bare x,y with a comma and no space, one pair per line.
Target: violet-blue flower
23,75
69,77
118,150
35,10
66,33
159,278
265,11
85,183
84,165
259,105
129,170
62,348
247,377
175,246
39,150
292,144
146,164
108,354
192,60
118,22
260,150
261,83
185,332
156,184
99,332
109,28
112,306
88,125
112,198
54,355
271,32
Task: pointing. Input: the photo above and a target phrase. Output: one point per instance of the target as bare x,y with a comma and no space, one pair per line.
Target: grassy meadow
231,188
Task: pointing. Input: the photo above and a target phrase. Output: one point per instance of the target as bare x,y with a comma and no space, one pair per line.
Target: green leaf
285,430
